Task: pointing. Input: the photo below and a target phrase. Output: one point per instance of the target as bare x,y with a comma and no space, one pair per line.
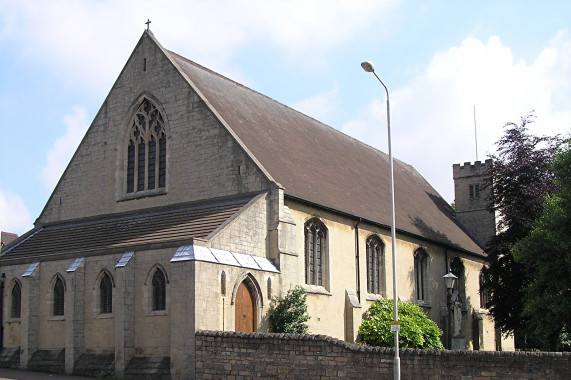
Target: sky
456,71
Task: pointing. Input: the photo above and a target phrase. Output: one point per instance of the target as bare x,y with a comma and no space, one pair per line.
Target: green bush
417,331
289,314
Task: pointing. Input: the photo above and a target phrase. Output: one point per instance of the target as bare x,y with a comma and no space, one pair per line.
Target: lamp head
450,280
368,66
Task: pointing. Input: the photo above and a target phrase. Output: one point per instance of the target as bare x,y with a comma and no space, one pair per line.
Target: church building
192,201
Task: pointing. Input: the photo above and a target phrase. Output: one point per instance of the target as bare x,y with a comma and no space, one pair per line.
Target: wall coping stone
516,355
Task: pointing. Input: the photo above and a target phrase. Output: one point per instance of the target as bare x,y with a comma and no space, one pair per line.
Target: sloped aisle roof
147,230
318,164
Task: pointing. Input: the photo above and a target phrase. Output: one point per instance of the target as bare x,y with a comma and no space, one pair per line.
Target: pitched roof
7,237
318,164
149,230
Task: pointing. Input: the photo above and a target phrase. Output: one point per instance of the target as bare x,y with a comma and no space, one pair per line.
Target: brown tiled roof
318,164
7,237
149,230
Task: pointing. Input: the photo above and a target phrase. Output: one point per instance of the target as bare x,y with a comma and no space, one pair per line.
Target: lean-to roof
154,229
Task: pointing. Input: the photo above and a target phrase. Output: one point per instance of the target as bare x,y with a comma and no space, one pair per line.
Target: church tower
472,199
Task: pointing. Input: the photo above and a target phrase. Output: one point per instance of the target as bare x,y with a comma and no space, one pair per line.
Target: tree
417,331
520,178
546,256
289,314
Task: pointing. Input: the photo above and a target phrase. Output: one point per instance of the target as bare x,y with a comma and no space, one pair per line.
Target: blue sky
439,59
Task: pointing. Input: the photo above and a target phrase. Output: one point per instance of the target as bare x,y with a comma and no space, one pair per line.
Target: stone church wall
83,328
215,302
99,329
228,355
52,335
151,328
336,299
247,232
203,159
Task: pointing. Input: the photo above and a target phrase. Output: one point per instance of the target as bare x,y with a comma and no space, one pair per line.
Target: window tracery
146,150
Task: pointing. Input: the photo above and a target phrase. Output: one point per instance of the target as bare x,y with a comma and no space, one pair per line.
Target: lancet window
16,300
159,290
106,294
457,269
58,297
315,253
420,274
375,267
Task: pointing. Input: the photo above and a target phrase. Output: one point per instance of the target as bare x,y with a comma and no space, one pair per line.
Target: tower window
474,191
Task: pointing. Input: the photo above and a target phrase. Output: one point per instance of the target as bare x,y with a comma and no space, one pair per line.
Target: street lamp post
449,280
368,67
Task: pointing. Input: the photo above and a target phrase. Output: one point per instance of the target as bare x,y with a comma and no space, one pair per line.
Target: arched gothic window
420,274
484,295
457,269
375,267
106,294
315,253
146,150
58,297
159,290
223,284
16,301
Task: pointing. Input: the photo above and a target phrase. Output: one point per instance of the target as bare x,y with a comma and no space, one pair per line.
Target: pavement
16,374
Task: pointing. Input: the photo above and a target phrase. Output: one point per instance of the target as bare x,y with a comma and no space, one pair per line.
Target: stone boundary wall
230,355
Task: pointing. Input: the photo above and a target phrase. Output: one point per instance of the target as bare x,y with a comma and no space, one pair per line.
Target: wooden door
244,306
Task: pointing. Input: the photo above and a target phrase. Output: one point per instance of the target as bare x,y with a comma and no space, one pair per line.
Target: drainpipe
357,259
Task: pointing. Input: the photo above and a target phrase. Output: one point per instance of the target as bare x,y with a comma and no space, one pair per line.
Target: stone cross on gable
148,23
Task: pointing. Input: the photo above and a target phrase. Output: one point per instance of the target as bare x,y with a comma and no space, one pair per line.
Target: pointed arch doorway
245,311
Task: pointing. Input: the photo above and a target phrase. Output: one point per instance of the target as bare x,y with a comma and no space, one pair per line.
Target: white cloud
303,27
432,118
14,216
323,106
370,125
60,154
92,42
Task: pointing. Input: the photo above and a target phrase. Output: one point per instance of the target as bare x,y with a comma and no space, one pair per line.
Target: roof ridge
149,212
243,86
